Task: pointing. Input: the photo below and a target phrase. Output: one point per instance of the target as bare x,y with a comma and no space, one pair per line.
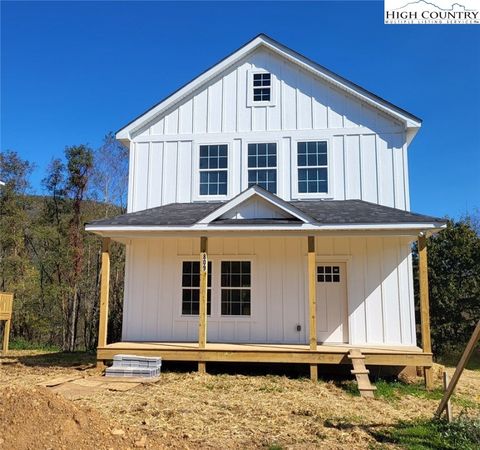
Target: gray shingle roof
328,212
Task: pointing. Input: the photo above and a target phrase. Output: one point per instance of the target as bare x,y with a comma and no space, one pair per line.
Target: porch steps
361,373
134,366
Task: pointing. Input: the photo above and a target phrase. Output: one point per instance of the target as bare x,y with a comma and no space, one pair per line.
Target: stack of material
134,366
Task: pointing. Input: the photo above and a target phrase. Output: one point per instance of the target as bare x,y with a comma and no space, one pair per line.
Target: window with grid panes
213,169
191,287
262,166
312,167
235,288
262,85
328,274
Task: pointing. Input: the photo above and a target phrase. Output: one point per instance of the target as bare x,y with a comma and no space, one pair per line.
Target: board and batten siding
379,289
367,149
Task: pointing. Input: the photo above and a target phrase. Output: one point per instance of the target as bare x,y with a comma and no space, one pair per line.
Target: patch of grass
461,434
275,447
394,390
23,344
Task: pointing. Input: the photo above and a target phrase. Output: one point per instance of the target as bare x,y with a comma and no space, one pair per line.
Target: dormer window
262,85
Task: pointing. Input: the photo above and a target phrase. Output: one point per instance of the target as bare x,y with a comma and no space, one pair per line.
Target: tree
454,282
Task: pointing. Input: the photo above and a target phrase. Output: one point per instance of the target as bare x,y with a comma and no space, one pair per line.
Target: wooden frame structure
312,354
6,307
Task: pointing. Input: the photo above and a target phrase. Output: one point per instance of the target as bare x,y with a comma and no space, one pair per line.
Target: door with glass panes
332,302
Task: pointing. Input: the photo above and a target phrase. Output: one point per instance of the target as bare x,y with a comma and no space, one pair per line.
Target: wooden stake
104,293
202,316
467,353
424,305
6,336
449,404
312,303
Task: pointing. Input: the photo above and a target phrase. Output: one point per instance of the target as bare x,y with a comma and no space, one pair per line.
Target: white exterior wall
367,149
379,289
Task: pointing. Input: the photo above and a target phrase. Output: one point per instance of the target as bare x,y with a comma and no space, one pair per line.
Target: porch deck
268,353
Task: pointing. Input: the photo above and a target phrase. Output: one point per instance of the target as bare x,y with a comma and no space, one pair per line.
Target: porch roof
316,214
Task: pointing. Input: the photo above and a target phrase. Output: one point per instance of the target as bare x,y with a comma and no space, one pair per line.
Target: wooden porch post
312,303
424,305
202,316
104,292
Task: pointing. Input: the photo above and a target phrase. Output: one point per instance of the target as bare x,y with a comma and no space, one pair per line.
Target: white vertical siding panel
337,155
304,101
170,290
171,122
405,175
373,291
184,170
284,171
403,292
186,118
151,300
356,291
391,307
319,105
275,319
169,175
385,171
291,280
289,98
141,176
200,112
336,106
353,112
352,167
368,168
260,277
128,294
158,127
235,181
341,246
274,113
412,298
244,113
398,175
215,99
259,118
229,122
154,180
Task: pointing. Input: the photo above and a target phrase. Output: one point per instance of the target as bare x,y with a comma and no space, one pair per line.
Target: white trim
245,195
126,132
303,227
294,169
196,170
273,89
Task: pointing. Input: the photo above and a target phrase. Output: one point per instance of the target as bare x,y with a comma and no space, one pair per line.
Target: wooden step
361,373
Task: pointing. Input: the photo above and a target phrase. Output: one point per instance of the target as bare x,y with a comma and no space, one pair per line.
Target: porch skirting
268,353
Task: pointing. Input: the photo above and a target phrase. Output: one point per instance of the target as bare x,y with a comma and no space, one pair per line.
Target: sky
73,71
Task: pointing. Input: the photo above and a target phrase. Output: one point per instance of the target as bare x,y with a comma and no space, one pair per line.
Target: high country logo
432,12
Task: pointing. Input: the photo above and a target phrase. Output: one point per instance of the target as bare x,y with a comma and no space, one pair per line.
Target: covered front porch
308,350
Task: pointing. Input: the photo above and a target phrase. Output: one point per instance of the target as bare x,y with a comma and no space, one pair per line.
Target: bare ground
187,410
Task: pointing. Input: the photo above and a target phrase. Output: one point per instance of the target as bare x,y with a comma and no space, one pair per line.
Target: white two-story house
268,219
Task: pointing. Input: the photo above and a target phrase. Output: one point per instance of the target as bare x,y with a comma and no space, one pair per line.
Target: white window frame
192,259
216,305
273,89
245,167
221,288
196,171
294,164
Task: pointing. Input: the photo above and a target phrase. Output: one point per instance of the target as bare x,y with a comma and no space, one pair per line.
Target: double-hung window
312,166
191,287
235,288
262,86
213,169
262,166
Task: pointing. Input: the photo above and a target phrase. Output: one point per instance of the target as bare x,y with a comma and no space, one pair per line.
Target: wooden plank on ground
59,380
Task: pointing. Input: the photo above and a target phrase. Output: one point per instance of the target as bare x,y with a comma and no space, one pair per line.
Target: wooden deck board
268,353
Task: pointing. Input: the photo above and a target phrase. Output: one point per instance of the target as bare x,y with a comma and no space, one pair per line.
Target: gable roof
262,40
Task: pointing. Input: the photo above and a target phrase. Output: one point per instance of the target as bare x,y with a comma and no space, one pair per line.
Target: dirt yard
190,411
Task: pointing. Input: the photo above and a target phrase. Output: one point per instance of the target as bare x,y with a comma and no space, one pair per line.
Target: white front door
332,302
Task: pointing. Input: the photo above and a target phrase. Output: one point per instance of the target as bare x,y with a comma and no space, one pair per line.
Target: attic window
262,86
